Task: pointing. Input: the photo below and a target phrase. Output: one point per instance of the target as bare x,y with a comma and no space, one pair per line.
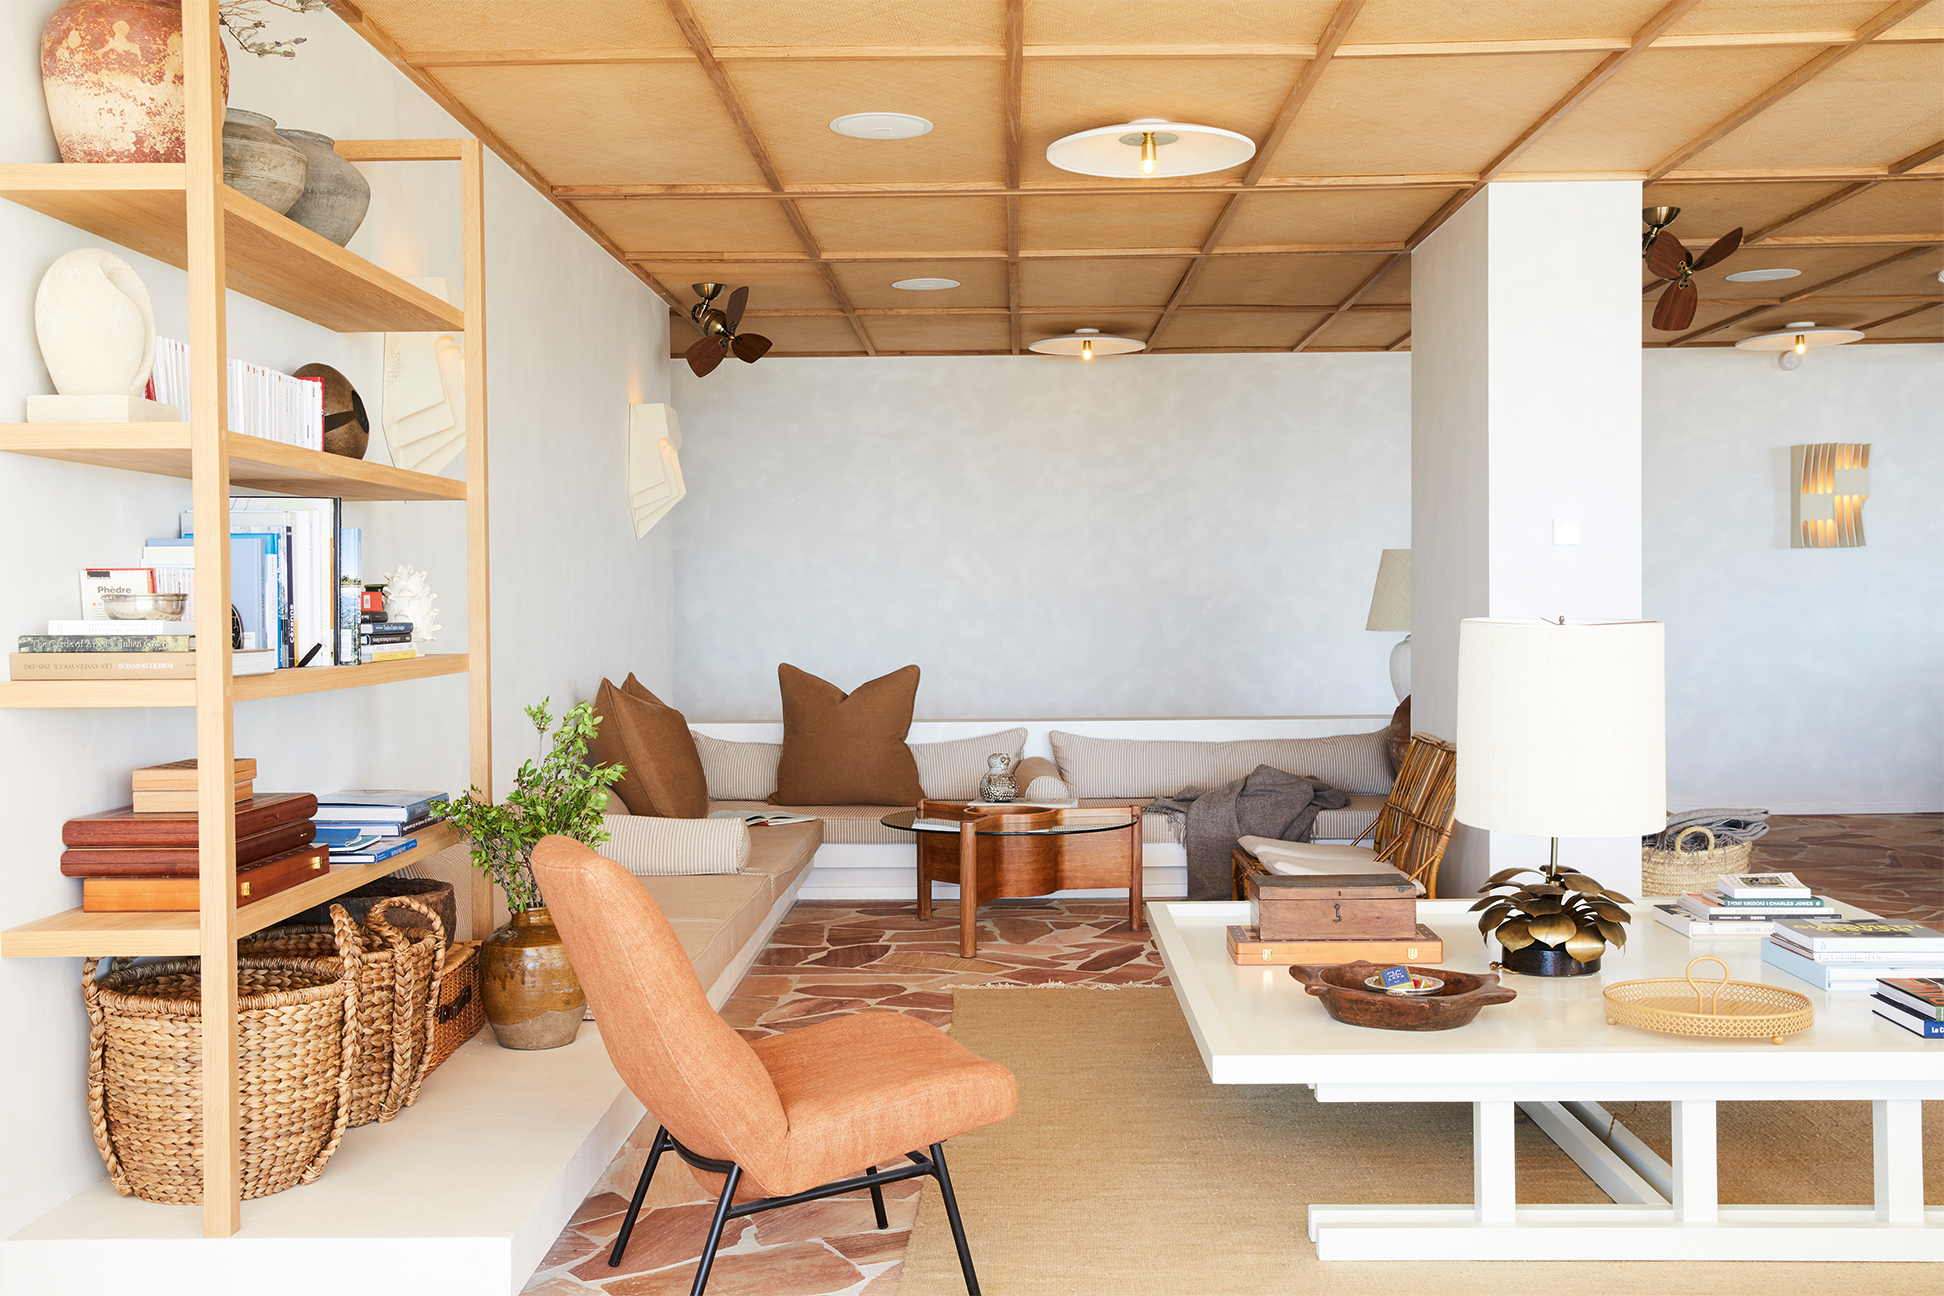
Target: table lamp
1390,609
1562,732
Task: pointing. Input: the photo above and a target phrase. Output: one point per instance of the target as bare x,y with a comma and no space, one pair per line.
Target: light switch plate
1566,531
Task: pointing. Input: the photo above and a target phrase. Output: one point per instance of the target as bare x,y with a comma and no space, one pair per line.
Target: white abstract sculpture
654,467
97,336
424,410
409,598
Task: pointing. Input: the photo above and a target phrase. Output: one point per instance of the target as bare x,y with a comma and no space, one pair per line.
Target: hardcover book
378,849
1861,935
1688,925
367,829
1847,976
1760,886
125,828
1896,1013
107,643
1921,995
128,665
377,805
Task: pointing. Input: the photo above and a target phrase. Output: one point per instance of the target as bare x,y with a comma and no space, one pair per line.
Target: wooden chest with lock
1363,906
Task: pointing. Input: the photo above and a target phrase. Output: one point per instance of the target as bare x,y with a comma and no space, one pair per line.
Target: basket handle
1705,831
350,958
1713,989
98,1072
408,1073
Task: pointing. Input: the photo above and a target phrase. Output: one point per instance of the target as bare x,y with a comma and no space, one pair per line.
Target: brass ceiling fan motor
719,335
1667,259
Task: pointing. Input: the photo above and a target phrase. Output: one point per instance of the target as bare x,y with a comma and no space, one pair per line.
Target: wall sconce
425,393
1829,482
654,468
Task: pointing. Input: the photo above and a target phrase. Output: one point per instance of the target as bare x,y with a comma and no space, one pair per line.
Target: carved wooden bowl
1341,988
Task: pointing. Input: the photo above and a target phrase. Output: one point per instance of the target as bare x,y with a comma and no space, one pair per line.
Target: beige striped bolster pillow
738,771
651,847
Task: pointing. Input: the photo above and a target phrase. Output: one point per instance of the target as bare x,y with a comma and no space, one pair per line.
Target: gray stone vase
260,165
336,193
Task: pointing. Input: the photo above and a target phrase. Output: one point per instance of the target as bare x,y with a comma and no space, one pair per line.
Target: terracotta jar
533,999
111,71
336,194
261,164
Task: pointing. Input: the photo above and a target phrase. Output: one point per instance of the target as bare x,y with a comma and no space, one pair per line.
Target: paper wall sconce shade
1828,484
425,393
654,465
1562,729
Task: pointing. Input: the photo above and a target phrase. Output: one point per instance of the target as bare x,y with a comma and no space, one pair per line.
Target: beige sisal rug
1127,1173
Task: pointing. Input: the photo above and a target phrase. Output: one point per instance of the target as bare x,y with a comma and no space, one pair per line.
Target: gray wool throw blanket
1264,803
1730,828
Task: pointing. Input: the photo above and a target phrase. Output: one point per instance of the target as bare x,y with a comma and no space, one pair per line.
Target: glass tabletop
910,822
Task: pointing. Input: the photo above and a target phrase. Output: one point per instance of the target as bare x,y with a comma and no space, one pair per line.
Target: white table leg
1494,1173
1898,1135
1694,1162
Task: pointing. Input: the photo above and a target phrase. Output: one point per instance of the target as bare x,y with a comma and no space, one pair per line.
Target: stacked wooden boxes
1330,919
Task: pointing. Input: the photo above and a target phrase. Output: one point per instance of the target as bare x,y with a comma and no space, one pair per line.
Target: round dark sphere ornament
347,429
1545,960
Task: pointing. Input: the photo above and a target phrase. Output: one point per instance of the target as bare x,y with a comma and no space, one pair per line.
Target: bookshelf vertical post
472,172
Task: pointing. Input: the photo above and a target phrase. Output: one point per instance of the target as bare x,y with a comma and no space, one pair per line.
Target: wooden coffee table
994,853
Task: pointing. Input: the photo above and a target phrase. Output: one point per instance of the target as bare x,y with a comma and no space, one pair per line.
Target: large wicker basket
462,1005
397,970
1678,872
295,1058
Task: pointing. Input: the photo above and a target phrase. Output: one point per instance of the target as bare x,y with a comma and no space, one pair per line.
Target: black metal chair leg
662,1142
952,1214
707,1261
877,1200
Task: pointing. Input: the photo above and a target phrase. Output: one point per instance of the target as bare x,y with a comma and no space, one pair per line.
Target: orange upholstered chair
789,1119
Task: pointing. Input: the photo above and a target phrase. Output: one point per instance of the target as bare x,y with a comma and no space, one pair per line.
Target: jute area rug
1126,1172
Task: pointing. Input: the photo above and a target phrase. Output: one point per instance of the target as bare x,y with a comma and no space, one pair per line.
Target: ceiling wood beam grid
1790,299
1892,319
1900,167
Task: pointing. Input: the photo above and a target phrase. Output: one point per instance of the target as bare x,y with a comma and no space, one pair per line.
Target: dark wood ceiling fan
719,335
1667,259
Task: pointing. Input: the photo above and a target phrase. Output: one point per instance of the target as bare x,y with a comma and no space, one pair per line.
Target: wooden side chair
1409,834
785,1120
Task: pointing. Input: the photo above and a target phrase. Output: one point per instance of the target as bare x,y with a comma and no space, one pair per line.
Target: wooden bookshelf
254,463
269,257
74,934
52,694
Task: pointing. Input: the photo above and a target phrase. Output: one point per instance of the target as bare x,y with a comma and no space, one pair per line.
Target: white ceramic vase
95,325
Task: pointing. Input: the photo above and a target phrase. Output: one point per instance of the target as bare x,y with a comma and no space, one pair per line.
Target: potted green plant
1557,926
532,998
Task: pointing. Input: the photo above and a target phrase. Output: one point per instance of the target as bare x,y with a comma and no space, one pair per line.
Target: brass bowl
1341,988
144,607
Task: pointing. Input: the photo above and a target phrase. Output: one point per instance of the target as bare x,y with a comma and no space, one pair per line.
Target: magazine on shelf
762,818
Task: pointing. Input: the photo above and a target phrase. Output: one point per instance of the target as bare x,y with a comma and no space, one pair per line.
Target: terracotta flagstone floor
832,958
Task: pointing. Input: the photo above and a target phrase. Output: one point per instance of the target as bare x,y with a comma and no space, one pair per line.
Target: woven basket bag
1677,872
295,1057
462,1004
397,971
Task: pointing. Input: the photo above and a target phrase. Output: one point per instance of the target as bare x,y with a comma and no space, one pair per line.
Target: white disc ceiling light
1794,339
1087,343
881,126
1150,147
925,285
1762,276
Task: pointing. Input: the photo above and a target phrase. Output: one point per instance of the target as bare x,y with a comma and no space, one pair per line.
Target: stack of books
1843,955
385,641
1914,1003
146,860
367,825
262,402
1743,904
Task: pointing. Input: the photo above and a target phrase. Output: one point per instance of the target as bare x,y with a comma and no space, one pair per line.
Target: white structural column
1494,1172
1525,448
1696,1200
1898,1135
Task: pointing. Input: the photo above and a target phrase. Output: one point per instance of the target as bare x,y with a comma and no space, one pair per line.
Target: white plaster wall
1797,679
573,339
1139,536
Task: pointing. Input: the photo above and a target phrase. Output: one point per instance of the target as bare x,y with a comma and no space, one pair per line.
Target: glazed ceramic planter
261,164
533,999
336,194
111,71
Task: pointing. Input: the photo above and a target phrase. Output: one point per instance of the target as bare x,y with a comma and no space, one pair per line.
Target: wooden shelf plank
47,694
74,934
255,464
269,257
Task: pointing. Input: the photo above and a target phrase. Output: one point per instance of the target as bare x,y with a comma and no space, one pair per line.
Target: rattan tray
1720,1009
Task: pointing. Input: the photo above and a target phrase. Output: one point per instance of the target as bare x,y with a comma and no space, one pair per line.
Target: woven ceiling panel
1917,275
1373,329
1711,210
1161,221
1876,106
792,104
1706,316
1388,22
693,225
907,224
1394,288
771,287
1280,331
1176,22
1657,103
1060,97
850,22
1717,16
939,332
1927,323
1333,216
1281,280
1394,116
799,333
593,123
1126,282
868,283
1905,207
420,26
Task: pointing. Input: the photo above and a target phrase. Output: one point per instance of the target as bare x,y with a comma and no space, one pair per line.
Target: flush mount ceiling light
925,285
1761,276
881,126
1087,343
1150,146
1795,339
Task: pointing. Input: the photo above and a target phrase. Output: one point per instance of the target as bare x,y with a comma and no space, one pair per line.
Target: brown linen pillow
652,740
847,748
1400,734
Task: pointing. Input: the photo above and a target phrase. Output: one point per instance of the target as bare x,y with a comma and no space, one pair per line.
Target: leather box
1347,907
176,894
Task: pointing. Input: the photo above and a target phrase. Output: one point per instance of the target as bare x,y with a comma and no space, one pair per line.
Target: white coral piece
409,598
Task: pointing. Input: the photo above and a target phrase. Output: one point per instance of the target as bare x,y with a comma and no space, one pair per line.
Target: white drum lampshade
1390,609
1562,729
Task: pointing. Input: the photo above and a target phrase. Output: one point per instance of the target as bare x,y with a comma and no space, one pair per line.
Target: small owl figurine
998,784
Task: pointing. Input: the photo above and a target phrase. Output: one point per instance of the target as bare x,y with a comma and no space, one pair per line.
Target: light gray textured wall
1149,536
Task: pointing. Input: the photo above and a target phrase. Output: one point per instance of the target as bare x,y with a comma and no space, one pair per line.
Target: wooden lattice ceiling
690,138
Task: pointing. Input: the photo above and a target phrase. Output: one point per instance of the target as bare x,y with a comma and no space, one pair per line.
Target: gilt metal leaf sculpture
1563,910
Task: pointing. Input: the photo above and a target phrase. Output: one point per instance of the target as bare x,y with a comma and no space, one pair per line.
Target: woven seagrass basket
295,1058
1677,872
397,970
462,1007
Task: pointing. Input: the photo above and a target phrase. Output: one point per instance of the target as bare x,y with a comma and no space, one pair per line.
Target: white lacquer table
1552,1053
